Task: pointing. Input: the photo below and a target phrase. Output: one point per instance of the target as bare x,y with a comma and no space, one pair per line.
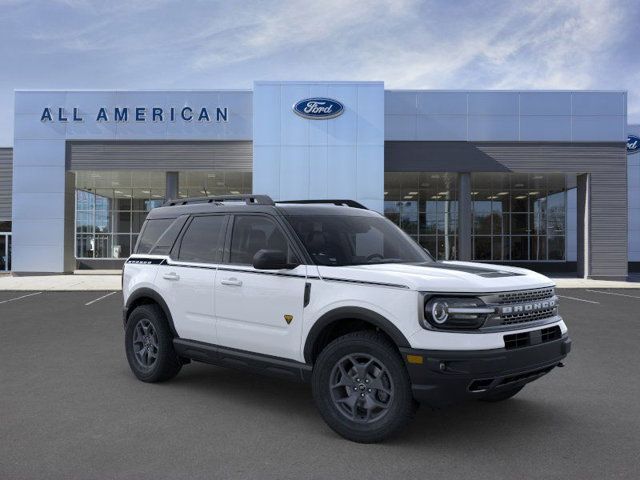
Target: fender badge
288,319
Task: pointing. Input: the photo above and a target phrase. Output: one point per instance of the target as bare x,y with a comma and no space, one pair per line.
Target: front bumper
445,377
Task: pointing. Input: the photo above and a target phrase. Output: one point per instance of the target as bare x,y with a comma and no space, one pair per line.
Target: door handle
171,276
234,282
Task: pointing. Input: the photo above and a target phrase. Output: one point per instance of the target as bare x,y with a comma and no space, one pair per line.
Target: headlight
455,313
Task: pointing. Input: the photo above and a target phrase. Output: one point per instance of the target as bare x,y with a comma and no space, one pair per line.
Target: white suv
332,293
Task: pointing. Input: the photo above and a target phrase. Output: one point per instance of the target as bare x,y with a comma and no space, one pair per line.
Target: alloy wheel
361,388
145,343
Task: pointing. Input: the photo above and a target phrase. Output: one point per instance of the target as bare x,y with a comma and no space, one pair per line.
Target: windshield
340,240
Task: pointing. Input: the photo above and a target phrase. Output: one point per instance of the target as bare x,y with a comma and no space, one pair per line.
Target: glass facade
518,217
425,206
5,252
515,217
208,184
111,206
110,209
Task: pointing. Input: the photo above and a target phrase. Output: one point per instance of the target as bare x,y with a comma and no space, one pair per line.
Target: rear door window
203,241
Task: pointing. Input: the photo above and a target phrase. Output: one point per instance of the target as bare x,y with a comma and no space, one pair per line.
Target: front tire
361,387
149,345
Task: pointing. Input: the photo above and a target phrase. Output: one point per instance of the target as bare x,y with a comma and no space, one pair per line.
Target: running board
242,360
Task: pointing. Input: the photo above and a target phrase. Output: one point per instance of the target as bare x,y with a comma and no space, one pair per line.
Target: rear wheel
362,388
149,345
501,395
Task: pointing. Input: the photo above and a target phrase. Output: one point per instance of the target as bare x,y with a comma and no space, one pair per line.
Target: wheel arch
327,323
146,296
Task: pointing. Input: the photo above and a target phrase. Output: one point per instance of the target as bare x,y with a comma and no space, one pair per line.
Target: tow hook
560,364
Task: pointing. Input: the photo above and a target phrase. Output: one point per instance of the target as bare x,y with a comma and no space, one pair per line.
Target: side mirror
271,260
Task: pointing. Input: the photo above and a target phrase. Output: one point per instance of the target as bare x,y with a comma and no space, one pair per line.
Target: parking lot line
23,296
99,298
578,299
614,293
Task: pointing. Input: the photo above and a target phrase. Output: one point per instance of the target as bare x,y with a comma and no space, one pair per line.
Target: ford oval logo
318,108
633,144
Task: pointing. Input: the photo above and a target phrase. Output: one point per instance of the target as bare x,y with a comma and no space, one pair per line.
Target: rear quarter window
151,233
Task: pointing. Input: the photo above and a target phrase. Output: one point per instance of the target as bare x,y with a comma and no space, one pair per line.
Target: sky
440,44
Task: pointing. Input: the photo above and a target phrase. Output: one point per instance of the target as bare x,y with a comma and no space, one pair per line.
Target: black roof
258,203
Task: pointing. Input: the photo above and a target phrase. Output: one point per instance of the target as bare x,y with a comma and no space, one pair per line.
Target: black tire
366,421
501,395
159,362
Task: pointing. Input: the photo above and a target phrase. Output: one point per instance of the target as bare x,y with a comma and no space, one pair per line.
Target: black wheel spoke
378,385
361,388
145,343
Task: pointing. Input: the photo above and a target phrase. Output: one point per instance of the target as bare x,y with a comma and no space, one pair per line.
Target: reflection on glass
528,210
425,206
111,206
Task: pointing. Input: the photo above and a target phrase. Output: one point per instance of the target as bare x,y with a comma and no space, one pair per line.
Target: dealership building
544,179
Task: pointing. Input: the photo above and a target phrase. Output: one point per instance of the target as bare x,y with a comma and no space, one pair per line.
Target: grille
551,333
523,317
519,340
525,295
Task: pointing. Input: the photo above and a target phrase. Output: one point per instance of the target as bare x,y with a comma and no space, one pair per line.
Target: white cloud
497,44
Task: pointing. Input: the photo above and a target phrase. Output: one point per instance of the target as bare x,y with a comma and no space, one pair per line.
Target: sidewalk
109,280
104,281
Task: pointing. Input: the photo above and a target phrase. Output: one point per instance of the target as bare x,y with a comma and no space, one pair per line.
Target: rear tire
501,395
149,345
361,387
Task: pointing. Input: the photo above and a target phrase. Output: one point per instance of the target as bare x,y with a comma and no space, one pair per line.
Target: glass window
556,248
520,248
338,240
111,207
121,246
203,241
114,204
482,248
528,210
151,233
167,239
425,206
213,183
252,233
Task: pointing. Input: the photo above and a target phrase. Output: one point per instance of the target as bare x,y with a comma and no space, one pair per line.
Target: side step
242,360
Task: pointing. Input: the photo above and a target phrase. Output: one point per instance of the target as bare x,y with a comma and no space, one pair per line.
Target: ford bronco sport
334,294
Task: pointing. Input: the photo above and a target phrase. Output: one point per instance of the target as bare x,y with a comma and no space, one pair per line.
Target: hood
454,277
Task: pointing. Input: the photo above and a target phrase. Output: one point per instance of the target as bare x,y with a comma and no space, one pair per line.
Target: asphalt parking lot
70,408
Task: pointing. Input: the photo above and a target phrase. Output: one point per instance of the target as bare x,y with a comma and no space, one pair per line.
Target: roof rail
248,199
348,203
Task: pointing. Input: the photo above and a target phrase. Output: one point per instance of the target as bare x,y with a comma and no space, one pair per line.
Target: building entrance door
5,252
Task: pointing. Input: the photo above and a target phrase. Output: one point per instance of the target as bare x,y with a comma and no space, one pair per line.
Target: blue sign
633,144
318,108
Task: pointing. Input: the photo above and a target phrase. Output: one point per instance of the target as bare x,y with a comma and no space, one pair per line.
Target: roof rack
248,199
347,203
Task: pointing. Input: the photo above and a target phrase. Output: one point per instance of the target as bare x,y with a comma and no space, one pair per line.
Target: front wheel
362,388
149,345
